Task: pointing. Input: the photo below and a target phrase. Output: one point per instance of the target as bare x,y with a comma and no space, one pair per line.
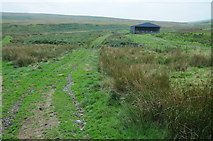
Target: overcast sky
161,10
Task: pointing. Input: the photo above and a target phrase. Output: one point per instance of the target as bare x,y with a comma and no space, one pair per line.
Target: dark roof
146,25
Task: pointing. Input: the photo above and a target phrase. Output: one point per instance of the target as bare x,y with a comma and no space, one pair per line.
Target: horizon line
103,17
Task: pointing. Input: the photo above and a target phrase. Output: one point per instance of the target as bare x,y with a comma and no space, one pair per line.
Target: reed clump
144,86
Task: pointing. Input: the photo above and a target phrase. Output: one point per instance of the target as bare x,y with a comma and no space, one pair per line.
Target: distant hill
54,18
202,21
37,18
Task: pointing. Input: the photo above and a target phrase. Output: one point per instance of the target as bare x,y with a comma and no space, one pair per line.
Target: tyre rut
79,110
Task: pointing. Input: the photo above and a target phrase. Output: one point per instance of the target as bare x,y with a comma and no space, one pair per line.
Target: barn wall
139,30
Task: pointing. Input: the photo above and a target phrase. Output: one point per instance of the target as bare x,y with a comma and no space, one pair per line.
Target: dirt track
37,126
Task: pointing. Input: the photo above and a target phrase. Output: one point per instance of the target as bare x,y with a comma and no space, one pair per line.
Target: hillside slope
29,18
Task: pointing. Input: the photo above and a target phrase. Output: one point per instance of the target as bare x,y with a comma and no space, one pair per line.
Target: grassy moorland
189,38
167,87
36,18
96,81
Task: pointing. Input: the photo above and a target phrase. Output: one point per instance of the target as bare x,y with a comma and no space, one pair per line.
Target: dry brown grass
144,84
23,55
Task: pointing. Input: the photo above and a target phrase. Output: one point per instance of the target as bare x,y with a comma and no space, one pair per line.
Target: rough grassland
25,89
102,85
32,85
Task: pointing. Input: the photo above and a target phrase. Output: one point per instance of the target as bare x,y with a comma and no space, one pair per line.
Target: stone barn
145,28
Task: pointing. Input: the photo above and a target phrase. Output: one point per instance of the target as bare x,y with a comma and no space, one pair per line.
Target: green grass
34,77
189,38
127,84
12,93
82,39
98,41
159,93
6,39
193,76
103,120
97,103
10,28
151,64
26,50
154,44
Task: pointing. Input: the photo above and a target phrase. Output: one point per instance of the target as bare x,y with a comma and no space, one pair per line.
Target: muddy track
8,121
79,110
43,120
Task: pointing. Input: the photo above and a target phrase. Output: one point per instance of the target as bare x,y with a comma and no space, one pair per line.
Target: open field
89,78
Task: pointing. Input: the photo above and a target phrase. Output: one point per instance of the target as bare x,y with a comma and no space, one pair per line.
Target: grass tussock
179,61
200,60
25,55
185,112
145,87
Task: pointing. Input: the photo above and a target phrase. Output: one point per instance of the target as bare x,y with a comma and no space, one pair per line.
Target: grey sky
161,10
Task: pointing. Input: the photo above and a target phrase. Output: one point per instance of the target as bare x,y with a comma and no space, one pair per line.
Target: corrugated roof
147,25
